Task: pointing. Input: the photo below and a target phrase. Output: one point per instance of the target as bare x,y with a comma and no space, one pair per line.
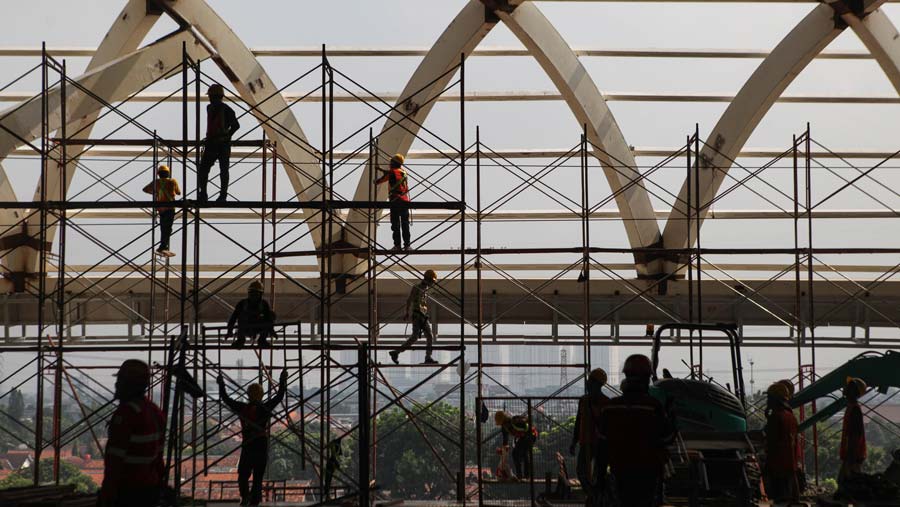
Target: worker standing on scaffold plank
253,317
525,435
591,461
165,191
221,124
417,309
254,416
133,462
398,194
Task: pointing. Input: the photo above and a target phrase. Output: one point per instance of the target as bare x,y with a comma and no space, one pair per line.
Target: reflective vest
399,185
853,435
134,450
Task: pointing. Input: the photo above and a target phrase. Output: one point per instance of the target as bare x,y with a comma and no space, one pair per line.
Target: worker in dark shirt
637,431
591,462
221,124
525,436
853,432
254,416
333,465
254,318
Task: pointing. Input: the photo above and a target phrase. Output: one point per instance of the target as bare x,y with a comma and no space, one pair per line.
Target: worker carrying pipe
254,416
781,469
133,466
417,310
398,196
636,430
221,124
254,318
525,435
853,432
164,189
591,462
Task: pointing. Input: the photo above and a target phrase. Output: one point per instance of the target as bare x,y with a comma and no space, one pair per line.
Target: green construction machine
713,459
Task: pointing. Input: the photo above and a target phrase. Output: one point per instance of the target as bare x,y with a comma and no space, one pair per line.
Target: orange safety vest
134,450
853,435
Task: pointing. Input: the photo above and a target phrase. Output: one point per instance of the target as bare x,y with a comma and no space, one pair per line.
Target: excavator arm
878,370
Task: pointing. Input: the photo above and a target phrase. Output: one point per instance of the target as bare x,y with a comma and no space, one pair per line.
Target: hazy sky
359,23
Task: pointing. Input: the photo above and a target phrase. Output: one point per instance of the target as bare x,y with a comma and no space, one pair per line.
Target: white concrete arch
561,64
231,55
766,84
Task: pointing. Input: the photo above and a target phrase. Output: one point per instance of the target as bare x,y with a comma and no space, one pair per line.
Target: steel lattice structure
582,293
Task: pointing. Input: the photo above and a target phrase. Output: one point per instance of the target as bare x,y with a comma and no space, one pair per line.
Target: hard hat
790,386
430,275
255,392
255,286
857,383
500,417
134,372
398,158
779,391
598,375
216,90
163,169
637,365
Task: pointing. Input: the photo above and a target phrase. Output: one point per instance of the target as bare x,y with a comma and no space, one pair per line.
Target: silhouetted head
596,380
216,93
254,291
255,393
854,388
163,172
132,379
397,161
430,277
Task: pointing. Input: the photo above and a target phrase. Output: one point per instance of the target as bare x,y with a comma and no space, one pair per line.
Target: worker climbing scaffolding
417,310
332,465
524,435
398,195
254,415
254,318
164,189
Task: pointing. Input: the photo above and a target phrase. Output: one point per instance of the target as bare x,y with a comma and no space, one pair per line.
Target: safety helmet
855,386
778,391
398,159
500,418
598,375
163,169
430,275
790,386
134,372
637,365
255,392
216,90
255,286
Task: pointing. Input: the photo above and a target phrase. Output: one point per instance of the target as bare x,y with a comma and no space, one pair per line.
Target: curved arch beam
561,64
749,106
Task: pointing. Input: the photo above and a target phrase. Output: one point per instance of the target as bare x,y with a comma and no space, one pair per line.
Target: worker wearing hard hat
398,195
592,460
782,460
254,318
255,416
164,189
524,434
853,433
221,124
417,311
636,430
133,461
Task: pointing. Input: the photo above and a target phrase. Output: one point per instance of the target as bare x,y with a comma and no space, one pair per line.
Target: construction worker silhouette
332,465
853,432
525,436
417,310
591,462
254,318
636,429
398,195
782,461
221,124
133,462
165,190
254,416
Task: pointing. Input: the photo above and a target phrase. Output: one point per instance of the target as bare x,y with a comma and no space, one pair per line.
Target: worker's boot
395,356
406,247
396,248
238,343
264,343
429,360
